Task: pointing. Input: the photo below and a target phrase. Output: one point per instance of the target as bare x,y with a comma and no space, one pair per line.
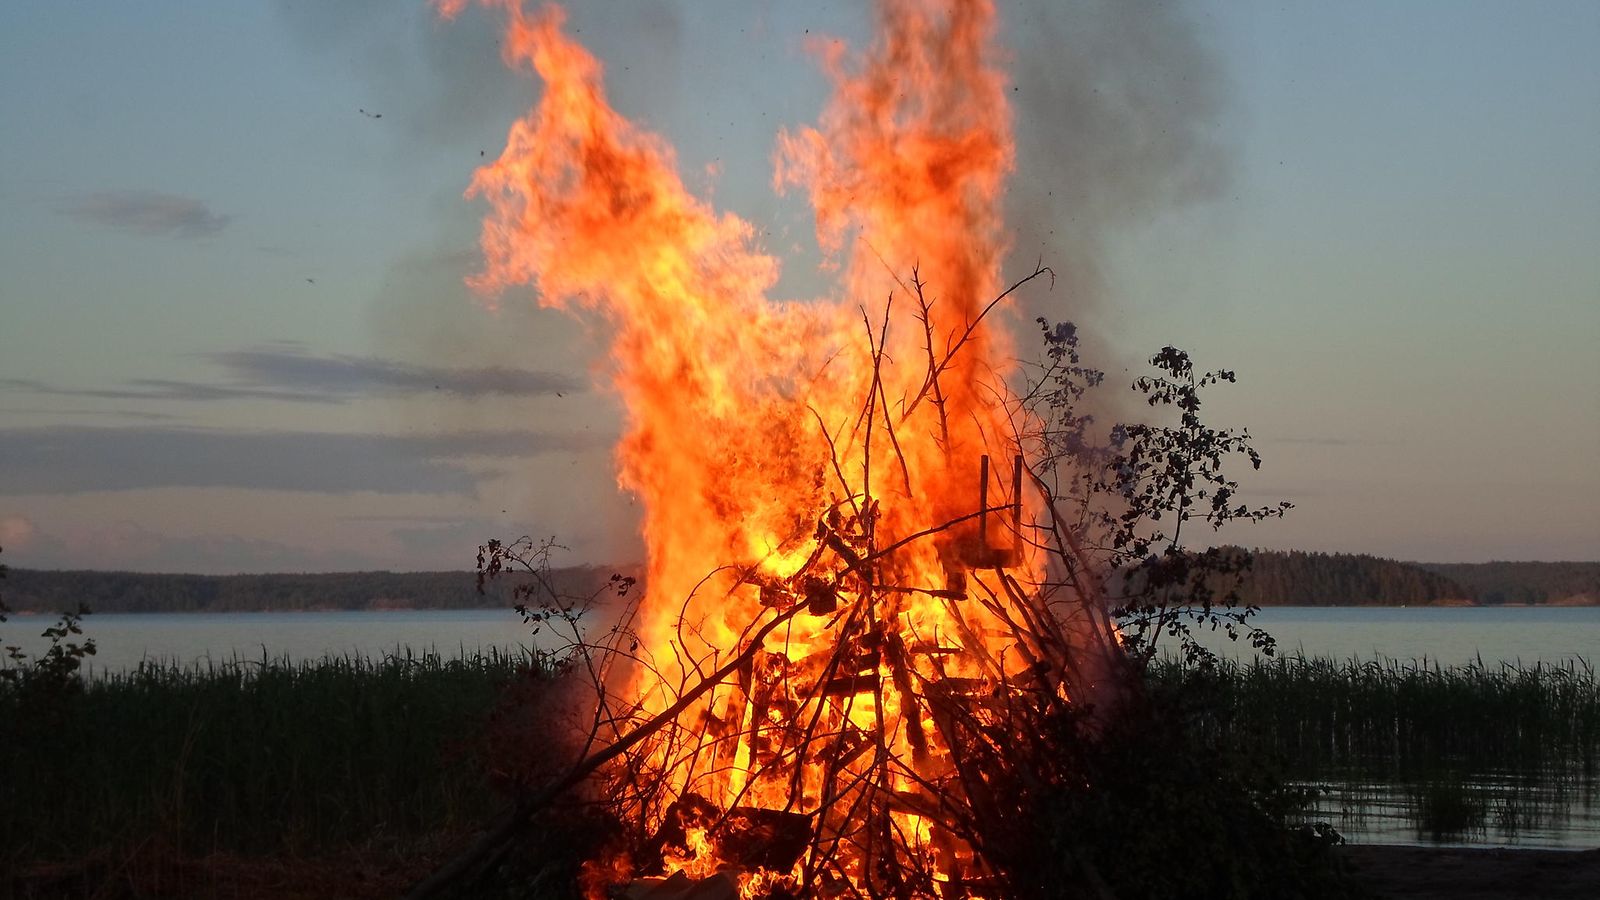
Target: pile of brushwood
1146,809
1147,800
1137,803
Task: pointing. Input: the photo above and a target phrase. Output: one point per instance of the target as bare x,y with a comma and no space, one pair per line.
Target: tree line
1277,578
35,590
1300,578
1525,582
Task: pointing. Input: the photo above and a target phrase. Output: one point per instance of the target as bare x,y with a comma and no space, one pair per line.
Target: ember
849,602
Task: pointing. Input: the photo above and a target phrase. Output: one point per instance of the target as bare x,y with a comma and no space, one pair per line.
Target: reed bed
1410,749
265,756
277,757
1405,720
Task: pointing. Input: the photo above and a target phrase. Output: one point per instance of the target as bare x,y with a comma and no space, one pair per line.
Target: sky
234,335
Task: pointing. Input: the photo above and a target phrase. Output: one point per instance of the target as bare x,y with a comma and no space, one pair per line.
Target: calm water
123,640
1448,635
1483,809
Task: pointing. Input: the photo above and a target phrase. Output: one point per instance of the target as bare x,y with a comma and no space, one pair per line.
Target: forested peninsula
36,590
1299,578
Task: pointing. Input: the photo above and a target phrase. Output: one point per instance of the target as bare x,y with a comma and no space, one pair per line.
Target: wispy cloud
286,372
70,460
134,546
149,213
166,389
138,414
1316,441
1312,441
291,369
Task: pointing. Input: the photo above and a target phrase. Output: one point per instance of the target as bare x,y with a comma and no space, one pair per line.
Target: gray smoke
434,82
1118,110
437,82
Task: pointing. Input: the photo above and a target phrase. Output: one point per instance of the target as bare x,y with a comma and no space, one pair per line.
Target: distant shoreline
33,614
1277,579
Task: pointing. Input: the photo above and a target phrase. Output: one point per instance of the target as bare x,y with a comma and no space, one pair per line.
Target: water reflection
1488,810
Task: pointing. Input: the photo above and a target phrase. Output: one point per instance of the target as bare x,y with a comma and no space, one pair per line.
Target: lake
1450,635
123,640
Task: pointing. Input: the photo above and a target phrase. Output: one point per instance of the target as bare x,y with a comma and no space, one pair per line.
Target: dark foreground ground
1402,873
1409,873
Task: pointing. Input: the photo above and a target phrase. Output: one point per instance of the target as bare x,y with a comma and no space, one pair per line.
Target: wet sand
1412,873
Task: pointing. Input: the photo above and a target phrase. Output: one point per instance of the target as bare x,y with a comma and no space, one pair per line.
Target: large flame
783,450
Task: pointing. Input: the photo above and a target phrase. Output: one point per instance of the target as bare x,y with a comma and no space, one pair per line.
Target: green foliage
44,679
1142,805
1158,809
1141,801
1495,583
1138,491
1297,578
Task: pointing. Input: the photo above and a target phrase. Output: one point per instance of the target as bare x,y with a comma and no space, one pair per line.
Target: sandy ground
349,876
1411,873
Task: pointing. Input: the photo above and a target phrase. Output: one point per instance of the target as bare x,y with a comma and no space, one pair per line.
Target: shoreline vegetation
137,780
1278,578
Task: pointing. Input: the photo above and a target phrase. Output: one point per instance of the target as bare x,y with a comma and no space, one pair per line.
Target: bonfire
859,594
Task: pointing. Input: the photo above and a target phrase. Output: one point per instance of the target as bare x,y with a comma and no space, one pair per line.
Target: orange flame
751,422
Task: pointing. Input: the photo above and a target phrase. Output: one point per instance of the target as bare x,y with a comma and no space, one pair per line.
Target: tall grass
1411,749
266,756
1403,719
276,757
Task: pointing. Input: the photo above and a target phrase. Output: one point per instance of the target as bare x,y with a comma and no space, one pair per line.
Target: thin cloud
284,372
138,414
71,460
149,213
133,546
404,519
165,389
343,375
1323,441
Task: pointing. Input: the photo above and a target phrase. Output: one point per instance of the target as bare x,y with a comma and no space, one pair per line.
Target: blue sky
233,335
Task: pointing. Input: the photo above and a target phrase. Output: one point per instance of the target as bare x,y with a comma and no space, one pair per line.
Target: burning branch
857,764
931,381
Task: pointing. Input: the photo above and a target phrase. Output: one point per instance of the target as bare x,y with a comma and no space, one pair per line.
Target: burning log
848,685
744,838
822,597
751,838
687,826
977,552
721,886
